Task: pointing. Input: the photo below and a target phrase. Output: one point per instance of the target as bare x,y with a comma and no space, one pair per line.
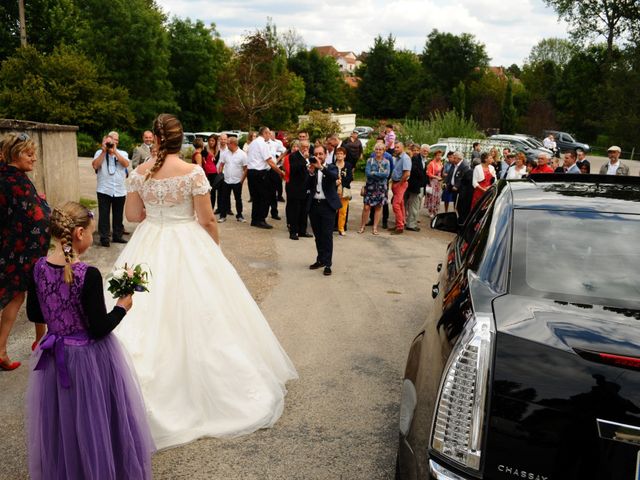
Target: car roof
597,193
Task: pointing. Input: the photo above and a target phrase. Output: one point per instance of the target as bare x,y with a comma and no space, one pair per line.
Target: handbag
428,190
346,193
363,191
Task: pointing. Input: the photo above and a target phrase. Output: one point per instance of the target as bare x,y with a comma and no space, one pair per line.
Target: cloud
508,29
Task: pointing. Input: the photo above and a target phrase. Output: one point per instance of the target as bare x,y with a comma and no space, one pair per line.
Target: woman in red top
209,166
483,177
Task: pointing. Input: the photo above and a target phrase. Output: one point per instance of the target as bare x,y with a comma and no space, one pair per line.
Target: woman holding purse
345,176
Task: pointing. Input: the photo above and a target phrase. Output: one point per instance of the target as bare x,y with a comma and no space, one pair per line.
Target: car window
468,240
579,257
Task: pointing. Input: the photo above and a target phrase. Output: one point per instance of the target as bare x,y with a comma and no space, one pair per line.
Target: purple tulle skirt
96,428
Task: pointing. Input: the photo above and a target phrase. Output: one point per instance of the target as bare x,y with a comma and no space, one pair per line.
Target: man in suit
461,180
415,191
570,162
142,152
297,192
323,205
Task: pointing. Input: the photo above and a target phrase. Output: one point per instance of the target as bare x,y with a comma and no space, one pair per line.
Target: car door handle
439,267
618,432
435,289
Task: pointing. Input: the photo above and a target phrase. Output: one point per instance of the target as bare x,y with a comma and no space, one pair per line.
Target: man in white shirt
277,149
550,143
259,163
233,165
110,165
332,143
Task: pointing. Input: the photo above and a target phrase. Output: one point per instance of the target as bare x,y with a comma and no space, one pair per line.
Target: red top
542,169
208,163
286,167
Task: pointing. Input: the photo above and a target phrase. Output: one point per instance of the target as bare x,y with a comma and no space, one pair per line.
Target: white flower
119,273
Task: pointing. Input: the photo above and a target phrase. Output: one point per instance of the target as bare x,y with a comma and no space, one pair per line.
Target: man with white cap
614,166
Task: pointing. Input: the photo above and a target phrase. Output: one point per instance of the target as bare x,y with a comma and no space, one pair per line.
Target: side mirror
447,222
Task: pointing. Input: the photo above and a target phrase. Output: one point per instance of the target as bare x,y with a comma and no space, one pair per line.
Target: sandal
361,230
375,231
8,365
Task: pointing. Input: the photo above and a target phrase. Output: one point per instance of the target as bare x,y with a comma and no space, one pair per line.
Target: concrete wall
56,172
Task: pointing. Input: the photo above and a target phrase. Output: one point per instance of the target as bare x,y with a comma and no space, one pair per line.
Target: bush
320,125
439,125
87,145
127,142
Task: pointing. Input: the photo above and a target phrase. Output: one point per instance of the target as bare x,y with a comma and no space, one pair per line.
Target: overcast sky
508,28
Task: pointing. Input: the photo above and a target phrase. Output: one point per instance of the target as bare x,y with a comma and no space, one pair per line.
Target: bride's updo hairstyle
64,221
168,129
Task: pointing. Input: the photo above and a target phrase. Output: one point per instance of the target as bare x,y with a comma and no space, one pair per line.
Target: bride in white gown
206,358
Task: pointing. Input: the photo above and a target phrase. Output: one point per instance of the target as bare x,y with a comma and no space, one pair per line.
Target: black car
528,365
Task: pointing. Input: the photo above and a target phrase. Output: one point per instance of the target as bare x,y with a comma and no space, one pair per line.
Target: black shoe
305,235
119,240
105,243
216,212
316,265
327,271
276,217
294,236
385,226
369,223
281,199
264,225
412,229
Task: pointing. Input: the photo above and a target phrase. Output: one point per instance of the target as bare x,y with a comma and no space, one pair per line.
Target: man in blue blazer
323,205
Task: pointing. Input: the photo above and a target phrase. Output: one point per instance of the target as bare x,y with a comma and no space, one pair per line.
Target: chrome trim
618,432
440,473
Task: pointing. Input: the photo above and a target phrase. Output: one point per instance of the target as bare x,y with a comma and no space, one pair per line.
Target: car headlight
459,419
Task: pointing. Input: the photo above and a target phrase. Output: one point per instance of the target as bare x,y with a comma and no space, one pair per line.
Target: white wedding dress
206,358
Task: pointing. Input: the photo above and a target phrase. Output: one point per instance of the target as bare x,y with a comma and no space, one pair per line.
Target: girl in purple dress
85,414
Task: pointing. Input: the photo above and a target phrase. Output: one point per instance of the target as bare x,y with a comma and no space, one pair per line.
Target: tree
62,87
612,19
509,113
257,86
129,42
556,50
197,58
448,59
323,83
459,99
292,42
49,23
390,80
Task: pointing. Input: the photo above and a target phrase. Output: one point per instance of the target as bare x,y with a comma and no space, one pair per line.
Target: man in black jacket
323,205
415,190
297,192
461,179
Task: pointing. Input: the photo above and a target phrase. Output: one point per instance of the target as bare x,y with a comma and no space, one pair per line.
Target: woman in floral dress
24,233
375,190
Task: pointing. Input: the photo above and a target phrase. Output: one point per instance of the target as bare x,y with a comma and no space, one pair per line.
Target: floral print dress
24,231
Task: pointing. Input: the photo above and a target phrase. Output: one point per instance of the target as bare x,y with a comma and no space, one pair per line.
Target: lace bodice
60,303
169,200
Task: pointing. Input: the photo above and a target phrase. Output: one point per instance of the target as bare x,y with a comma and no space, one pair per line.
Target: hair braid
168,129
64,221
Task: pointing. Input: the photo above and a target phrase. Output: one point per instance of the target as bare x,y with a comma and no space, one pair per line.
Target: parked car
363,132
524,145
189,137
565,141
234,133
528,365
205,135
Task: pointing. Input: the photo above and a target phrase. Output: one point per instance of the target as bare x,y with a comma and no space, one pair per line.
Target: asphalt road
347,334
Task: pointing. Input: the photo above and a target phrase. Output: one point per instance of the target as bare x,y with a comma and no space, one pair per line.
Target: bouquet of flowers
127,280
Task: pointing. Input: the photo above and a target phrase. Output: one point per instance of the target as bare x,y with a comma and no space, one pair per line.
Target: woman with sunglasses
24,233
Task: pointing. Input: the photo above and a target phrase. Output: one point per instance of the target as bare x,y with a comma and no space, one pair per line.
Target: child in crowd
85,414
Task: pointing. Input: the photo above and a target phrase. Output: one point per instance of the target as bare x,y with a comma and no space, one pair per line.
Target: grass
88,203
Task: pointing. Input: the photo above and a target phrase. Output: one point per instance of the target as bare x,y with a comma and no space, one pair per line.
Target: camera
109,145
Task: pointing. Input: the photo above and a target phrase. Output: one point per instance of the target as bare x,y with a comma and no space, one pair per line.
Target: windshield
578,257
